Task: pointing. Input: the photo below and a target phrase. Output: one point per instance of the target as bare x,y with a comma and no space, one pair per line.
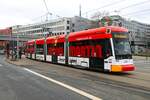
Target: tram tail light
128,67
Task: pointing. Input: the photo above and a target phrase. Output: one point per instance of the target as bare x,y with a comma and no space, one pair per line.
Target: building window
68,21
73,25
73,30
67,27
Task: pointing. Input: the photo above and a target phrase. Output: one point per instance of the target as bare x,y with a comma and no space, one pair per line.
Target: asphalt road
16,83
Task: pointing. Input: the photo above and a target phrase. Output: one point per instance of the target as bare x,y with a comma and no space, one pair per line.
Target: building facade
37,30
4,35
53,27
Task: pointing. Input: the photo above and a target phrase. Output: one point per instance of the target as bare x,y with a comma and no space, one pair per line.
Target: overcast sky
18,12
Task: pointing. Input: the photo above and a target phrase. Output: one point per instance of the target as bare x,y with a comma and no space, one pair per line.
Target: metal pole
17,46
146,49
12,49
45,46
10,45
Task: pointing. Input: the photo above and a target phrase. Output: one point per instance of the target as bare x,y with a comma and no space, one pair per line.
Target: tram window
57,49
40,49
31,48
68,21
68,27
49,46
107,49
73,24
85,49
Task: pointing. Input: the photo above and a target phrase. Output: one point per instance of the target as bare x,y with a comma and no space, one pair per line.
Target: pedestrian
20,53
15,54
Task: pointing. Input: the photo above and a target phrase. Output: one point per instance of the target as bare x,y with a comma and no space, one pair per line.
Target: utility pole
45,46
12,47
17,46
146,49
45,36
80,10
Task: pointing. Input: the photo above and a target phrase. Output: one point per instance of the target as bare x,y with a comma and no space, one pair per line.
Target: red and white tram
105,48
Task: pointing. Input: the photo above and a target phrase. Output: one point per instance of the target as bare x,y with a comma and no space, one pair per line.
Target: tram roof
56,39
30,42
97,33
40,41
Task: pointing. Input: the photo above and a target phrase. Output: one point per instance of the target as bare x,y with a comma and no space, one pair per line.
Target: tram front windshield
121,45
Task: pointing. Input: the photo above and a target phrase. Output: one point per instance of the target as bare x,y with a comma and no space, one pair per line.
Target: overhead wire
49,11
46,14
135,12
46,6
136,4
132,5
141,11
107,5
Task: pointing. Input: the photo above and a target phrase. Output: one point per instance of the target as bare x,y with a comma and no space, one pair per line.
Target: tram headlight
110,60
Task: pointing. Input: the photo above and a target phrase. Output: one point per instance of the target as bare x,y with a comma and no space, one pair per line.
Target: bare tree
98,15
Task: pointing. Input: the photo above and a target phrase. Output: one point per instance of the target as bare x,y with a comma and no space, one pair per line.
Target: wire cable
46,6
141,11
133,5
107,5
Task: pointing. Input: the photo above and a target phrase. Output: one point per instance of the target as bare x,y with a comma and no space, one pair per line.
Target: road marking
92,97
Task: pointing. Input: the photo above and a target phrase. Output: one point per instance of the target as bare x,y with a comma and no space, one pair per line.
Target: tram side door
96,56
54,59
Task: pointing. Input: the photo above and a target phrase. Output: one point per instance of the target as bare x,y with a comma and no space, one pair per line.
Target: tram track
118,84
